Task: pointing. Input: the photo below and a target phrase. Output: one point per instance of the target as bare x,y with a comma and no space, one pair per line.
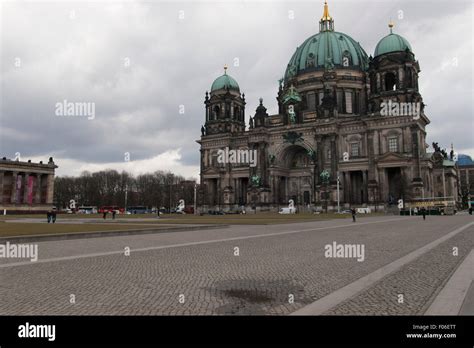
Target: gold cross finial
391,25
225,69
326,15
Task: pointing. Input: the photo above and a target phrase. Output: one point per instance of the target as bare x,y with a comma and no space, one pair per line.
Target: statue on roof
328,64
292,114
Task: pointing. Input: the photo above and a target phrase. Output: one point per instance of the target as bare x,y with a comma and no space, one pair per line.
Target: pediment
211,170
391,157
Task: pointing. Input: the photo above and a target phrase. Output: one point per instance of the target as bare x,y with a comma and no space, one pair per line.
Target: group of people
104,215
422,211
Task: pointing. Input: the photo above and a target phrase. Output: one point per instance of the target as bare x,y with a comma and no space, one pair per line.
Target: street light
126,192
338,203
195,195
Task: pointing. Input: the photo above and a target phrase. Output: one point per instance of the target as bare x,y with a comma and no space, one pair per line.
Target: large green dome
225,82
326,48
392,43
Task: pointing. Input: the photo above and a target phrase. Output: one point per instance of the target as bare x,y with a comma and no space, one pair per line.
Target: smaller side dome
392,43
226,82
465,160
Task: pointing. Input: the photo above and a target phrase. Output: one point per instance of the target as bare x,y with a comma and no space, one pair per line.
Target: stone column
347,186
365,185
2,174
344,188
444,184
13,185
319,159
416,151
334,159
37,198
383,185
371,156
49,188
25,188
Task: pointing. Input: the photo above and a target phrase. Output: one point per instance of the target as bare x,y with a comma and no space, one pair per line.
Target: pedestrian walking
423,212
470,210
104,216
113,214
53,216
353,212
48,215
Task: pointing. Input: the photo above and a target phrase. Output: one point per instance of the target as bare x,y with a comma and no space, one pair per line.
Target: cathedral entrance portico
295,175
355,186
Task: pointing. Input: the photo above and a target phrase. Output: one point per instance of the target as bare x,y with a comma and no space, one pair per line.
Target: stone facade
466,181
332,125
25,186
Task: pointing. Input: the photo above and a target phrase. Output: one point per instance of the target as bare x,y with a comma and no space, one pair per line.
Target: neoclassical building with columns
26,186
349,125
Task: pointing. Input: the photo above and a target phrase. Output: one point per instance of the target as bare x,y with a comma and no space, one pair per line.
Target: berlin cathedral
330,141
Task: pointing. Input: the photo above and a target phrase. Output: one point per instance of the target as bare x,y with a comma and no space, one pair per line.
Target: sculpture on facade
255,180
324,176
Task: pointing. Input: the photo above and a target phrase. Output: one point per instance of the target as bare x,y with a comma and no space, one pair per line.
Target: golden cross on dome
225,69
326,15
391,25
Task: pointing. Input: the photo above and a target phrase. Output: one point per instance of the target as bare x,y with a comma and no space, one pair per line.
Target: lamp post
126,193
195,202
170,199
338,202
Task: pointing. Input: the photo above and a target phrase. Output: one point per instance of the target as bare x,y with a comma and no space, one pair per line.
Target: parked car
189,209
216,212
87,210
137,210
110,209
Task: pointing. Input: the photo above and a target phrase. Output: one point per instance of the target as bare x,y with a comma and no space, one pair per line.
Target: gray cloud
173,62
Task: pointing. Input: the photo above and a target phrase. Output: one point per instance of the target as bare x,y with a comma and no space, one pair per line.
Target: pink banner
31,184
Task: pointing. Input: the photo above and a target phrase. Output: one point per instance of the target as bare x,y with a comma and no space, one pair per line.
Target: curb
100,234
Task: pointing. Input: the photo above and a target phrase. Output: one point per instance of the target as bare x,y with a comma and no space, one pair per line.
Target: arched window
216,112
311,101
236,113
390,82
354,148
227,110
393,144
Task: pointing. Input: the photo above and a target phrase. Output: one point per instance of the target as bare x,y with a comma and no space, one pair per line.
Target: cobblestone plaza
248,269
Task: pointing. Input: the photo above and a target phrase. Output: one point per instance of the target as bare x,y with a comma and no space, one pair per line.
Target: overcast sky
143,62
